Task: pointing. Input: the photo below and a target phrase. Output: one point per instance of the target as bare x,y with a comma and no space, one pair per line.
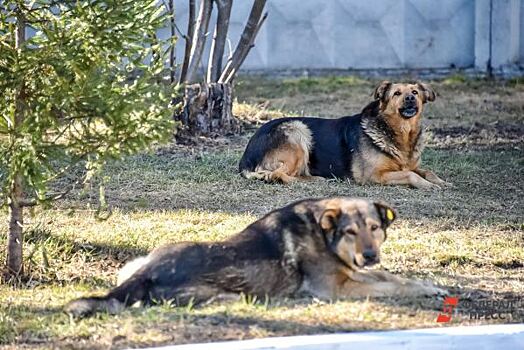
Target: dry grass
469,238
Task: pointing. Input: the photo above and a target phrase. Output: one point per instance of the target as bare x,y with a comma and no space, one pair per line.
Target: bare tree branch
171,8
246,51
189,39
50,197
199,39
219,40
246,40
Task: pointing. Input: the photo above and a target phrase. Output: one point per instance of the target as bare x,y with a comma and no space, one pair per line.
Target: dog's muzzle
366,261
359,264
370,257
409,110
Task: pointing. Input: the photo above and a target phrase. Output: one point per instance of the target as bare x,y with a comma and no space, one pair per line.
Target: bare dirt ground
468,238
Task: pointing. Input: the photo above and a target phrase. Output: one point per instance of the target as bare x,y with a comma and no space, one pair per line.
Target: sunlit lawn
469,238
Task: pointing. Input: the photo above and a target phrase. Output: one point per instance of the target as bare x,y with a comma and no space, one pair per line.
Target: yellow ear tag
389,214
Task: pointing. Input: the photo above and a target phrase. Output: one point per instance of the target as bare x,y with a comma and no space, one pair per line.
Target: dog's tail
87,306
299,134
271,167
132,287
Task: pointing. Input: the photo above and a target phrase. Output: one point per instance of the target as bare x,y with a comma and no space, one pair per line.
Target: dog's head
406,100
354,229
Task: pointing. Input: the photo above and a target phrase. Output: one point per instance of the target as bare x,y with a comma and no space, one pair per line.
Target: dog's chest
396,148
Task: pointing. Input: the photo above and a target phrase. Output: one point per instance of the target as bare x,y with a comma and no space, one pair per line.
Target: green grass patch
469,237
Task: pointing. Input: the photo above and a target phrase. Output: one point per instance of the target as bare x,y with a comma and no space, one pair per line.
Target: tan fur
398,161
349,280
290,161
130,268
399,139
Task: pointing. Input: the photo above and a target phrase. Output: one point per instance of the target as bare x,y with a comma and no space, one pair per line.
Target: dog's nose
410,98
369,255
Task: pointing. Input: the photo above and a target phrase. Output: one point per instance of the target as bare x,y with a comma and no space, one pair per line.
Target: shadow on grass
186,326
409,304
70,247
486,187
38,271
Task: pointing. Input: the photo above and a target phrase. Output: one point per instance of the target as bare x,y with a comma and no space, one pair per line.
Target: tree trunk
207,107
171,8
199,39
189,39
207,111
15,238
219,40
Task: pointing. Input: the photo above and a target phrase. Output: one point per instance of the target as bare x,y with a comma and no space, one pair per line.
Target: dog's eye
374,227
397,93
350,232
415,92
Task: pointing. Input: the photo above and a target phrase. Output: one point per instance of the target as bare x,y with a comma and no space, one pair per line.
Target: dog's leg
278,175
202,293
256,175
432,177
384,284
281,175
406,178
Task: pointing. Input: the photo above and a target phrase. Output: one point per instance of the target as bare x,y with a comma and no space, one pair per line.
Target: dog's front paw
427,289
430,186
438,181
442,183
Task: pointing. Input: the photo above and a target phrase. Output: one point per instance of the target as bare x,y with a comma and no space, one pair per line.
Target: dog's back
328,151
250,262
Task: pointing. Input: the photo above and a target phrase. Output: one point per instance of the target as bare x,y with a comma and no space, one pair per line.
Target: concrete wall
521,58
379,34
506,32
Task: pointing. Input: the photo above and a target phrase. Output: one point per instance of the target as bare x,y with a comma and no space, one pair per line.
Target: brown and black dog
314,246
383,144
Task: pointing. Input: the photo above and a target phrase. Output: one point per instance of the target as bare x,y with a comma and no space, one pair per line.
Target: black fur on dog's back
200,271
334,140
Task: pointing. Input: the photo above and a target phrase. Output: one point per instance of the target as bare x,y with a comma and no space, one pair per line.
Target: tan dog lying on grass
383,144
315,246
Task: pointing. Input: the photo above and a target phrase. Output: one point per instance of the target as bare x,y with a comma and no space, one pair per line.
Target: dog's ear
381,92
386,213
329,220
427,91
